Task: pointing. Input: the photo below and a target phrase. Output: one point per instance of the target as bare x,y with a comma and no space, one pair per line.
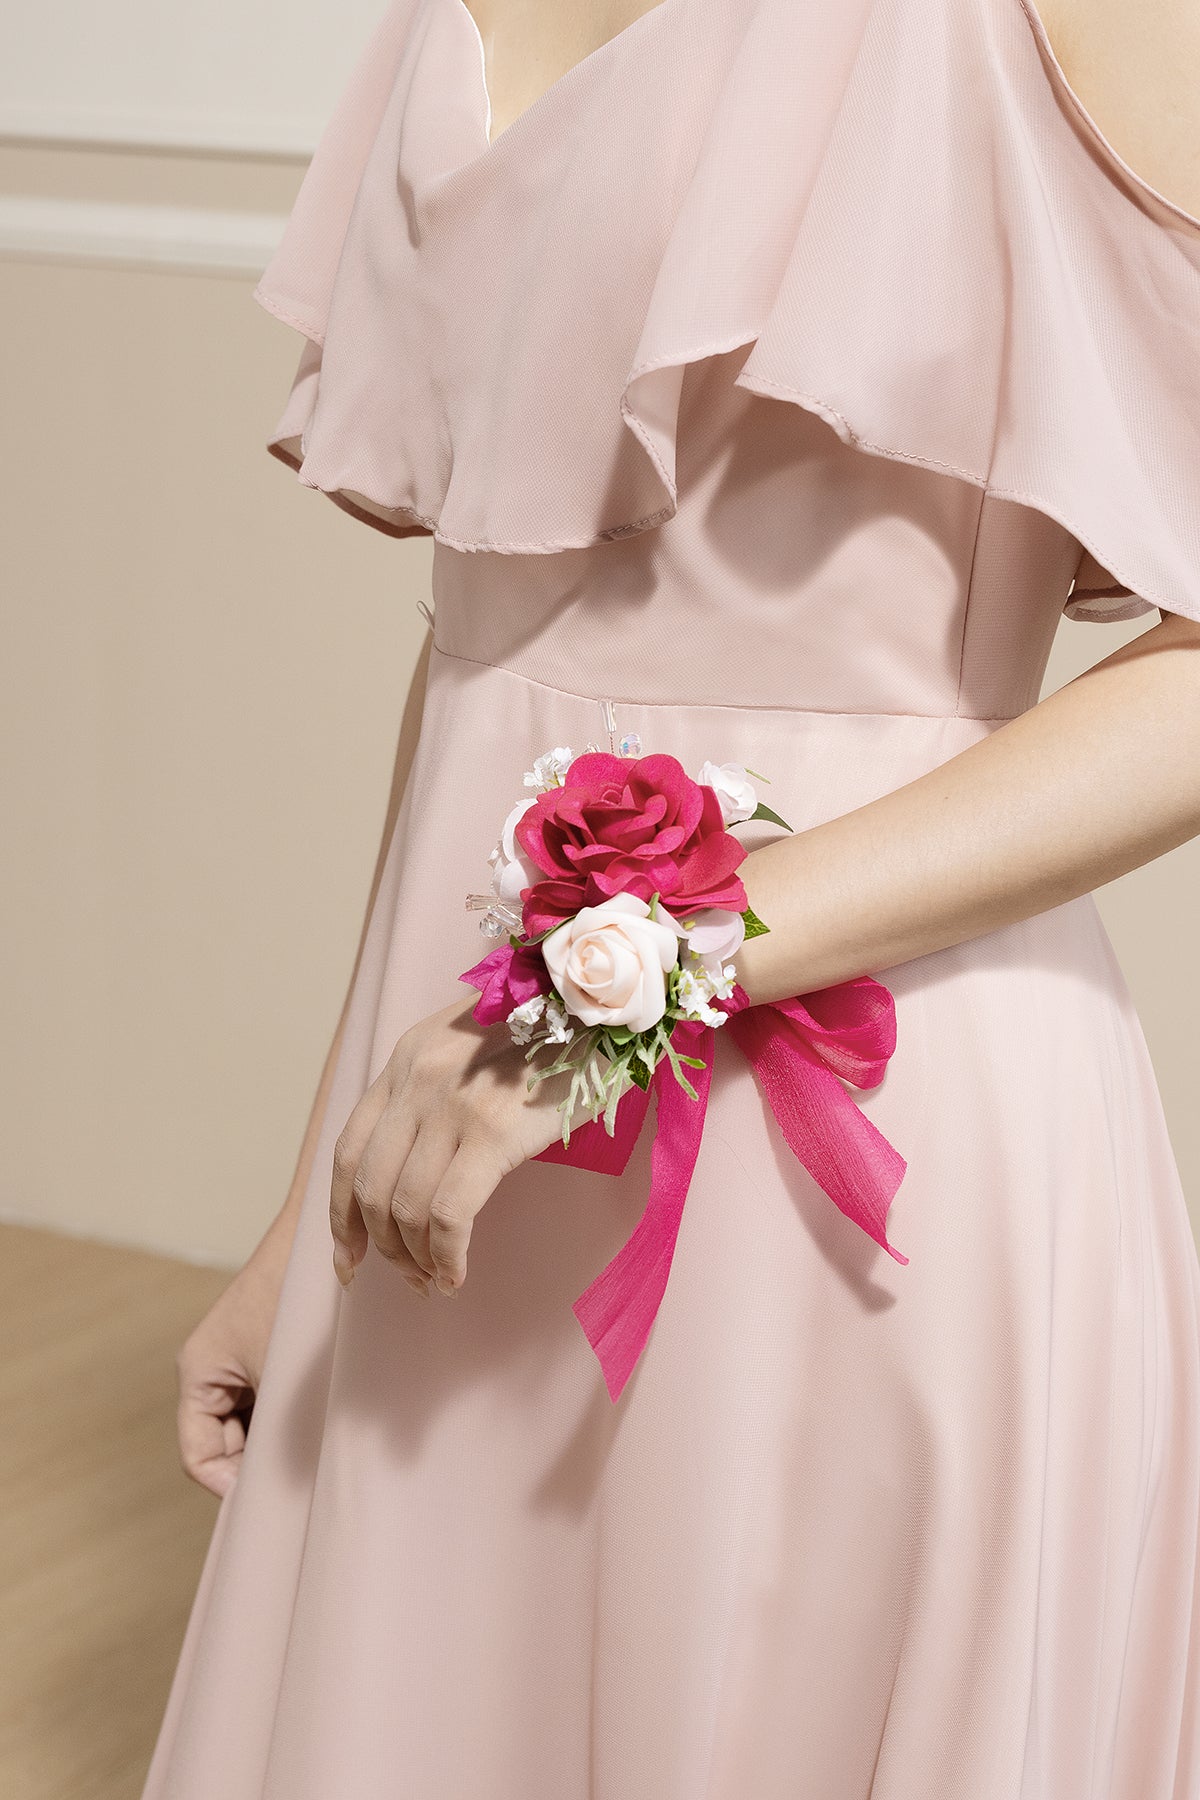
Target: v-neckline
549,94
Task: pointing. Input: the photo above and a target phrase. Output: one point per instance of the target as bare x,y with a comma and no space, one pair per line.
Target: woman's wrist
783,960
275,1244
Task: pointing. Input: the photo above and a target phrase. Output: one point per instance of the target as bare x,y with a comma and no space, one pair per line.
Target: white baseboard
271,137
183,239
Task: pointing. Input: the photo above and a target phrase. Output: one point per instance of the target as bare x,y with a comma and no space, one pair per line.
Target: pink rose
638,825
609,962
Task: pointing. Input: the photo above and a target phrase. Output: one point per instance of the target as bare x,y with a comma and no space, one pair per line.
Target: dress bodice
842,329
795,573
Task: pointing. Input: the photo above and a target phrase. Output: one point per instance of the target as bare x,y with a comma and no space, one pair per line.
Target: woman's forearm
410,727
1094,780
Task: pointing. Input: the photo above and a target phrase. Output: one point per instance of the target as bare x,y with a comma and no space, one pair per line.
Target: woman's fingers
430,1152
464,1190
379,1166
234,1428
426,1145
369,1152
370,1160
210,1442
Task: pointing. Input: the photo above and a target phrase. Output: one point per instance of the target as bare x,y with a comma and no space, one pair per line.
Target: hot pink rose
638,825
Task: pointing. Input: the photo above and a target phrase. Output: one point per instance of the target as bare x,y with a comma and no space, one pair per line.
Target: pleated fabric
777,380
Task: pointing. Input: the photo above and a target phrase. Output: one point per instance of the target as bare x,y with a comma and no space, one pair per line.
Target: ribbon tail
618,1309
843,1151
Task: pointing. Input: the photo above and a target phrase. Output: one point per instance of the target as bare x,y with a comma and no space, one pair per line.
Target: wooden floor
101,1533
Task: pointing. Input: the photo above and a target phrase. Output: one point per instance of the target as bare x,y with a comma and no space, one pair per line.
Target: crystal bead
629,745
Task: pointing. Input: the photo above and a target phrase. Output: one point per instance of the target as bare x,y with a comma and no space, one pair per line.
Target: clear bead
629,745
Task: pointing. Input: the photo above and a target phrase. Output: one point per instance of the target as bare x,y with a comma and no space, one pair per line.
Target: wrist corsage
614,883
614,889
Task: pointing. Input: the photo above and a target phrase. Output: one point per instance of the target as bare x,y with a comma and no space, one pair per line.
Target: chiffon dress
781,376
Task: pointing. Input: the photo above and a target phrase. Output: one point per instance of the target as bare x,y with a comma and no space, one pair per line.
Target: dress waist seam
722,705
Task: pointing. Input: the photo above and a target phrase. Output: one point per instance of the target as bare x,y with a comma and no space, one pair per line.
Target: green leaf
759,777
685,1084
680,1077
763,811
754,925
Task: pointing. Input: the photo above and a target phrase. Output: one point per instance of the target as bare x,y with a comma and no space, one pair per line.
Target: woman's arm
410,726
219,1366
1094,780
1091,781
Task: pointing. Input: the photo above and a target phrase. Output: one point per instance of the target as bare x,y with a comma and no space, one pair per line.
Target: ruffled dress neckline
501,335
549,96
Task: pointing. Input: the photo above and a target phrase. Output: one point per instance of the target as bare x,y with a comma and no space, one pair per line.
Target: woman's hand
421,1153
219,1367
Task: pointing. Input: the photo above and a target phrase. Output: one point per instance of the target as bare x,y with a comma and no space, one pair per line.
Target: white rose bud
715,935
609,962
737,796
511,868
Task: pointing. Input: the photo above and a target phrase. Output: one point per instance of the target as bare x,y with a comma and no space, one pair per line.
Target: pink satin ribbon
801,1051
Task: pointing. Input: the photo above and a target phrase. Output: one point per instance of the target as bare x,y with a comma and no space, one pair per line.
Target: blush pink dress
781,376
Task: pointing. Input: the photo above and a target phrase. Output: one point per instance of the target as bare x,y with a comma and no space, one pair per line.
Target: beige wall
204,671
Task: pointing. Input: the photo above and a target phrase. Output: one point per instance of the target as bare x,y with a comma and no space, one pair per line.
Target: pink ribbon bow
801,1050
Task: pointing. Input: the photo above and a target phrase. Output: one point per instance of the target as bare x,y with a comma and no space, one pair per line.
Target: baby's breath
605,1061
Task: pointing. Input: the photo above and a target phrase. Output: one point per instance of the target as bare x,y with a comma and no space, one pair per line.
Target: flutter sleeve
900,209
981,283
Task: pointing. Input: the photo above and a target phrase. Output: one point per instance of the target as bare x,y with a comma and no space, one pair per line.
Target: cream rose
609,962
